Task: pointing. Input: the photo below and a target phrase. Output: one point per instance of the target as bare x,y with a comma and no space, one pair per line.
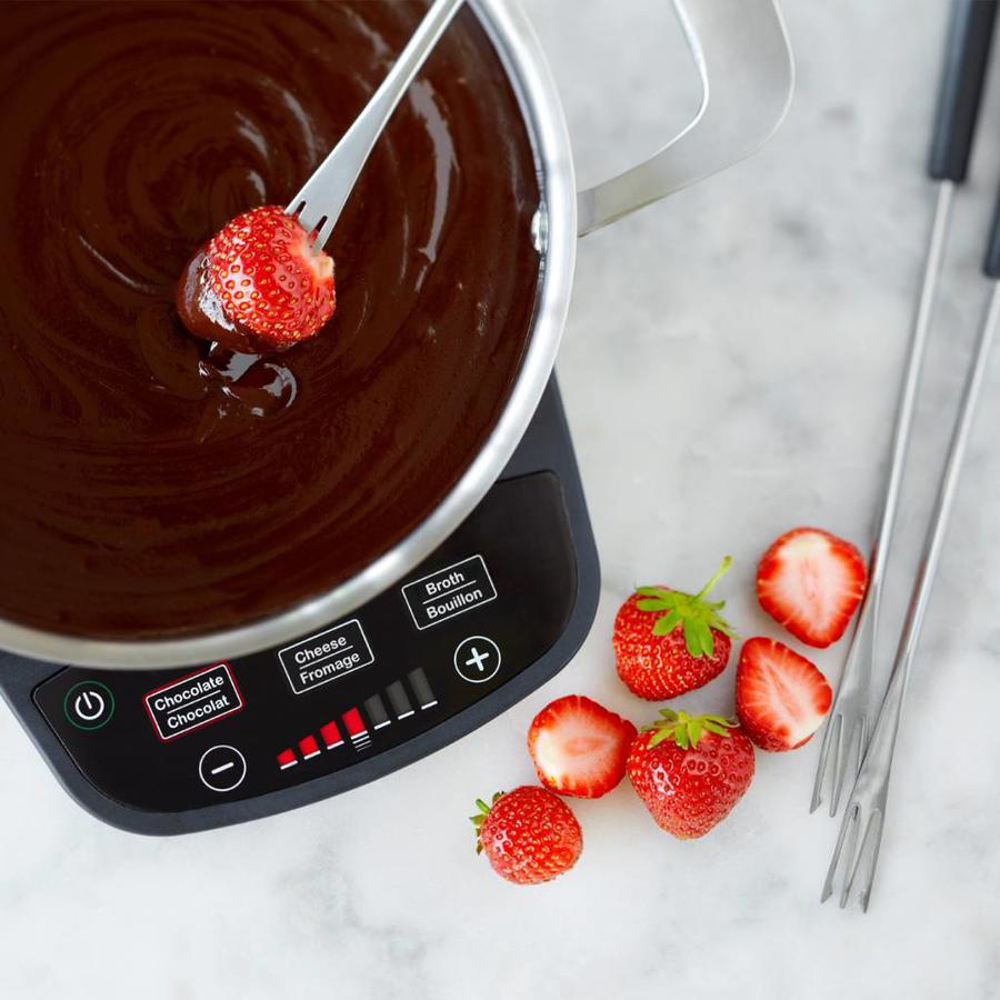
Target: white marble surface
729,368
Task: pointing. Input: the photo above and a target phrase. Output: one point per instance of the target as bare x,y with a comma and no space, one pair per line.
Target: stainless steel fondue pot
743,58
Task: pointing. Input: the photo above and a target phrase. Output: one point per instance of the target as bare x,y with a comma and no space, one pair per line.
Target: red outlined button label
191,702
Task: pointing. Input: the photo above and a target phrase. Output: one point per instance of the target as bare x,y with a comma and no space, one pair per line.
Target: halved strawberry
781,698
258,285
579,747
811,582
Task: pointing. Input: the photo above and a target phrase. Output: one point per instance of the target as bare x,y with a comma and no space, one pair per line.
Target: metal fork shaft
934,541
846,729
911,381
322,198
868,798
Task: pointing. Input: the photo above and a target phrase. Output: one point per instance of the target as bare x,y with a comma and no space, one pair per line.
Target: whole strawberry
690,771
528,835
667,642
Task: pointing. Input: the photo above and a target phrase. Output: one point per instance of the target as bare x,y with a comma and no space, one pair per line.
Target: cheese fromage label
325,657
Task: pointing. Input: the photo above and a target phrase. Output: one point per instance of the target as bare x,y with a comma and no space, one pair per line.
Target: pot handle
744,59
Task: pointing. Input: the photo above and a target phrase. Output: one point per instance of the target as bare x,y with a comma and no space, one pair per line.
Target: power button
89,705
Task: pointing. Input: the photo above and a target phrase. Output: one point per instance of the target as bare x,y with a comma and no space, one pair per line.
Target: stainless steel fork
864,816
322,198
846,733
857,849
845,737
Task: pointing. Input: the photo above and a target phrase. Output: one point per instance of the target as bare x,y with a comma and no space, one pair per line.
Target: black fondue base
496,611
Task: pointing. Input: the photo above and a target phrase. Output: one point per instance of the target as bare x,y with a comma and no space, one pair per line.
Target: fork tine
851,856
850,818
847,757
824,752
837,777
873,835
312,219
325,226
308,213
854,859
866,894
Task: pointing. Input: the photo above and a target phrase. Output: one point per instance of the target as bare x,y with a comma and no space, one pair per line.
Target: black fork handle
966,57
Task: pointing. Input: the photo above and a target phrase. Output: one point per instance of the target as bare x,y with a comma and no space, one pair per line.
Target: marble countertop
729,368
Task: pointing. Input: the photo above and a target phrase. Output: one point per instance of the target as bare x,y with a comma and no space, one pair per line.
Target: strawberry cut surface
811,582
781,698
579,747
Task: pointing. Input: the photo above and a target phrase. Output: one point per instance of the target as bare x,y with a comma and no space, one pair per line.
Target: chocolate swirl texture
149,486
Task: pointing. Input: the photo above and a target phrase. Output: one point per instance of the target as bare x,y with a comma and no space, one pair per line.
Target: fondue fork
846,735
864,817
321,199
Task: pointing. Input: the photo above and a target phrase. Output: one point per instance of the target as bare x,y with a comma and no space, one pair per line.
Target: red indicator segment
356,729
308,747
354,724
330,735
286,759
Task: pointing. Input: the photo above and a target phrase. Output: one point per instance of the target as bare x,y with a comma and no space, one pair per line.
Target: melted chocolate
201,312
150,485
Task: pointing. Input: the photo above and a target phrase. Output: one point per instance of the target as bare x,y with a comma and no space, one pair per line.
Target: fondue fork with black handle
847,731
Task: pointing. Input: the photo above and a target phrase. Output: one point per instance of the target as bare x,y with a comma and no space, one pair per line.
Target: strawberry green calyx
480,817
691,612
687,730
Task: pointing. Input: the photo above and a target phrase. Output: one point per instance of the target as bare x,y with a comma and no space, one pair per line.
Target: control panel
490,602
485,619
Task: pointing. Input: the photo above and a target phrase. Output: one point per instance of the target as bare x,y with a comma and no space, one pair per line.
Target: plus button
477,659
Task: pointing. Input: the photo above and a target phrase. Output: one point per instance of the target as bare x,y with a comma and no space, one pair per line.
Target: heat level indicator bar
356,729
330,734
421,688
308,747
399,701
353,723
375,710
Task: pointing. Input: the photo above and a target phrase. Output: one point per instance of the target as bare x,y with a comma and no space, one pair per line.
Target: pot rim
518,47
